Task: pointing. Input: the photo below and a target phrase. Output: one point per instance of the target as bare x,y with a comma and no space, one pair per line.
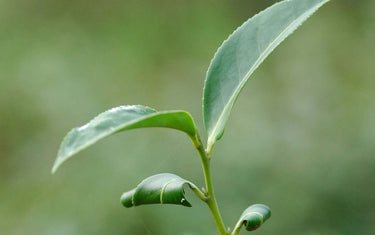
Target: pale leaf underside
242,53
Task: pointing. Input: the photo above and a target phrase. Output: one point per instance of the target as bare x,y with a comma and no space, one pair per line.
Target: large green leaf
120,119
253,217
162,188
242,53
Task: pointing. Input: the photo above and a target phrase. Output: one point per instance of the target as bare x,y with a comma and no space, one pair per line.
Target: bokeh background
300,138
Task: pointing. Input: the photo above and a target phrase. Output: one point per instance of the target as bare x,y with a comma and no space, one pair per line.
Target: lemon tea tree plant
231,67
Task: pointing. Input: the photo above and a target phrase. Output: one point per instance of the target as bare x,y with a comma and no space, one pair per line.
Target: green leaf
162,188
253,217
120,119
242,53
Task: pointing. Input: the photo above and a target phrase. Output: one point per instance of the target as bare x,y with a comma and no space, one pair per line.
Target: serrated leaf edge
213,137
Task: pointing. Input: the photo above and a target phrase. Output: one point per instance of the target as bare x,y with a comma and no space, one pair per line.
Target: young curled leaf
120,119
253,217
162,188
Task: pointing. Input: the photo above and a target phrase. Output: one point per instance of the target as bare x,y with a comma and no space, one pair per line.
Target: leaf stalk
237,227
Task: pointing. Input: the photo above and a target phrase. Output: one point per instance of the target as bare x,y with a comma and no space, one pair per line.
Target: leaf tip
55,167
127,199
58,162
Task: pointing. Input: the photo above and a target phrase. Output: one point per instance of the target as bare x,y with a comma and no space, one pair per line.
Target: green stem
211,199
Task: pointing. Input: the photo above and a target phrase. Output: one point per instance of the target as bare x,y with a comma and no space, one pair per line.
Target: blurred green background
300,138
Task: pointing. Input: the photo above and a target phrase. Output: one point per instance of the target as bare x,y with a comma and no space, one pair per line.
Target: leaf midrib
164,187
255,213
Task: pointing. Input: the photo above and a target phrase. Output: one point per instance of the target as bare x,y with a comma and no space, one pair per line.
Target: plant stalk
211,199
